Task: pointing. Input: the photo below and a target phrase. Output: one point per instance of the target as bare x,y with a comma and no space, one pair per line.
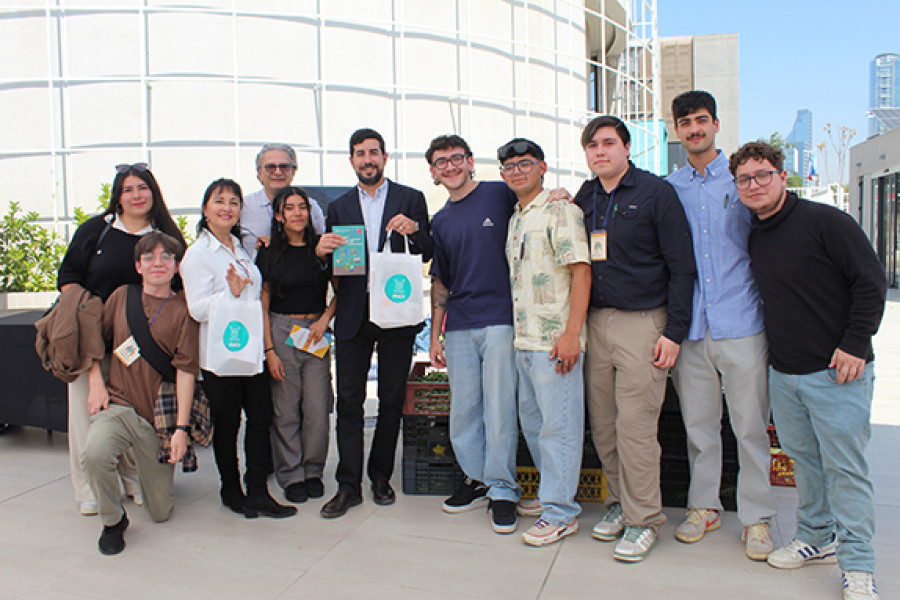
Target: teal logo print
398,288
236,336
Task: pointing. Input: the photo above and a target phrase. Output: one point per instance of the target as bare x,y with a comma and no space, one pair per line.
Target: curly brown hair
760,151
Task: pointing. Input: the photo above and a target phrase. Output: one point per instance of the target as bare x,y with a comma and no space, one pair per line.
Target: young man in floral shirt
550,276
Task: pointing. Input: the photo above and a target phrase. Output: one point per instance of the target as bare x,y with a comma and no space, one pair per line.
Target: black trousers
353,357
227,397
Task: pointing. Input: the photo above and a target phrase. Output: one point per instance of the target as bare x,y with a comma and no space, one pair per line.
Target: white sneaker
697,522
529,507
611,525
795,554
543,532
859,585
89,508
757,541
636,544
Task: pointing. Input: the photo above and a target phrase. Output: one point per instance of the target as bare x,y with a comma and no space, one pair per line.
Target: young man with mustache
726,345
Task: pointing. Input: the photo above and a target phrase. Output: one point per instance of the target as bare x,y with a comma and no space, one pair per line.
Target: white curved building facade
195,89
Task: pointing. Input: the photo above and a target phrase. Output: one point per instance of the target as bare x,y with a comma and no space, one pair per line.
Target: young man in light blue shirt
726,345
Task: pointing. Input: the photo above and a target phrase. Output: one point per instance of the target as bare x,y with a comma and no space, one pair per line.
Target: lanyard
608,208
150,323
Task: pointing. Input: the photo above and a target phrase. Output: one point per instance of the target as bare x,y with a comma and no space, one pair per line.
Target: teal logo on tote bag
236,336
398,288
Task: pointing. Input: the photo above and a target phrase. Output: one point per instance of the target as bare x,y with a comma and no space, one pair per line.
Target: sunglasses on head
138,167
518,148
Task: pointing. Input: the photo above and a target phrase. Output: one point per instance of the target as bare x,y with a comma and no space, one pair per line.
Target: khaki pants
113,431
625,396
79,423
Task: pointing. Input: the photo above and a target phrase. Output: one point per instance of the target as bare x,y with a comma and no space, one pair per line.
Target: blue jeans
482,370
551,410
825,428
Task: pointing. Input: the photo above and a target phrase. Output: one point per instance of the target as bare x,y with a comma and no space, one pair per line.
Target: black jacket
650,253
352,299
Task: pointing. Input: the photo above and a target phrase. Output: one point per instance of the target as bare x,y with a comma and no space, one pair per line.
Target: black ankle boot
233,498
262,503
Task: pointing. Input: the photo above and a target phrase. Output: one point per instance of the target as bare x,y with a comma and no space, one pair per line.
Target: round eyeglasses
524,166
454,159
762,179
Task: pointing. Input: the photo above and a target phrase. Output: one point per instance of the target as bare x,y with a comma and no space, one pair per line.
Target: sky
796,54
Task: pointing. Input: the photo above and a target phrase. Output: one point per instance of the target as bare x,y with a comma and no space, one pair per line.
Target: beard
370,179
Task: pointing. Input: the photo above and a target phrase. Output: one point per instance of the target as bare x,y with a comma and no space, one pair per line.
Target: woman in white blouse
214,266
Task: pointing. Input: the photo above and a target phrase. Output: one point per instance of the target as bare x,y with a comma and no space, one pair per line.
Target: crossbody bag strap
140,330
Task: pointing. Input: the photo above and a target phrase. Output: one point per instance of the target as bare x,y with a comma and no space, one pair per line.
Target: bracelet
184,428
269,349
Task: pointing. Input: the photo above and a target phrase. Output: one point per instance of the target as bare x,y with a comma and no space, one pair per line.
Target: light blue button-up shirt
726,301
372,208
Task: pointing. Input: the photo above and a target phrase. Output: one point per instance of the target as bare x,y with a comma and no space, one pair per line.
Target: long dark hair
215,186
273,270
159,213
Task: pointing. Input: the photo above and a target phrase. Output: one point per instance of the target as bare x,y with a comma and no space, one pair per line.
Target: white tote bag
234,337
395,288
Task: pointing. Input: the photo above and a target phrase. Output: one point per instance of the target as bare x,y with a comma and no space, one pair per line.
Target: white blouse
203,270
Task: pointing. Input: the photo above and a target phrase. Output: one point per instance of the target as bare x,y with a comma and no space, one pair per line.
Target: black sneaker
503,516
470,495
112,539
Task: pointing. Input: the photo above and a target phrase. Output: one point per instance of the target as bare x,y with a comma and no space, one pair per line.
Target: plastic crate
427,438
431,478
426,398
591,484
675,479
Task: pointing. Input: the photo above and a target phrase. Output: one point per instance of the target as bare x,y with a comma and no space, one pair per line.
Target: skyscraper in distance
884,93
800,138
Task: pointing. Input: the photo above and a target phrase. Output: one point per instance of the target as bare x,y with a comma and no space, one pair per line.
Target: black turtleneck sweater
821,284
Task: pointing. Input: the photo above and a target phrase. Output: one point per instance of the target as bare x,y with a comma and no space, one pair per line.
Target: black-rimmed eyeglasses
525,166
762,179
454,159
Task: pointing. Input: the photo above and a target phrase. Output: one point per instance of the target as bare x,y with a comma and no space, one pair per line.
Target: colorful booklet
350,258
301,339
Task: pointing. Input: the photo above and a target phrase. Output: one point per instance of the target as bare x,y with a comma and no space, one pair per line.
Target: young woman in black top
100,258
294,296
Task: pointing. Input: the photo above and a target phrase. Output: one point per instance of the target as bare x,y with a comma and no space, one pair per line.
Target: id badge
598,245
128,351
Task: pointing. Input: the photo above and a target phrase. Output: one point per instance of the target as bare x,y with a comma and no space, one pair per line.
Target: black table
29,395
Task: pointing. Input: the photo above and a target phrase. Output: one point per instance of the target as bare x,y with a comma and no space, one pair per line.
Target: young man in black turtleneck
823,291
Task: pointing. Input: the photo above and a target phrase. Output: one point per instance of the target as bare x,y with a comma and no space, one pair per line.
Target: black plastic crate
673,438
434,478
427,438
675,478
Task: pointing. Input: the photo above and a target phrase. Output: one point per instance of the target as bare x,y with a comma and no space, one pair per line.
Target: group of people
544,306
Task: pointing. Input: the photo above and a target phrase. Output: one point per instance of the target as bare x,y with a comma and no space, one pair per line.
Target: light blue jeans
825,428
482,370
551,410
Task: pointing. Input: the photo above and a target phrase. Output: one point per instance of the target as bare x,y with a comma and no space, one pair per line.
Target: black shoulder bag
150,350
